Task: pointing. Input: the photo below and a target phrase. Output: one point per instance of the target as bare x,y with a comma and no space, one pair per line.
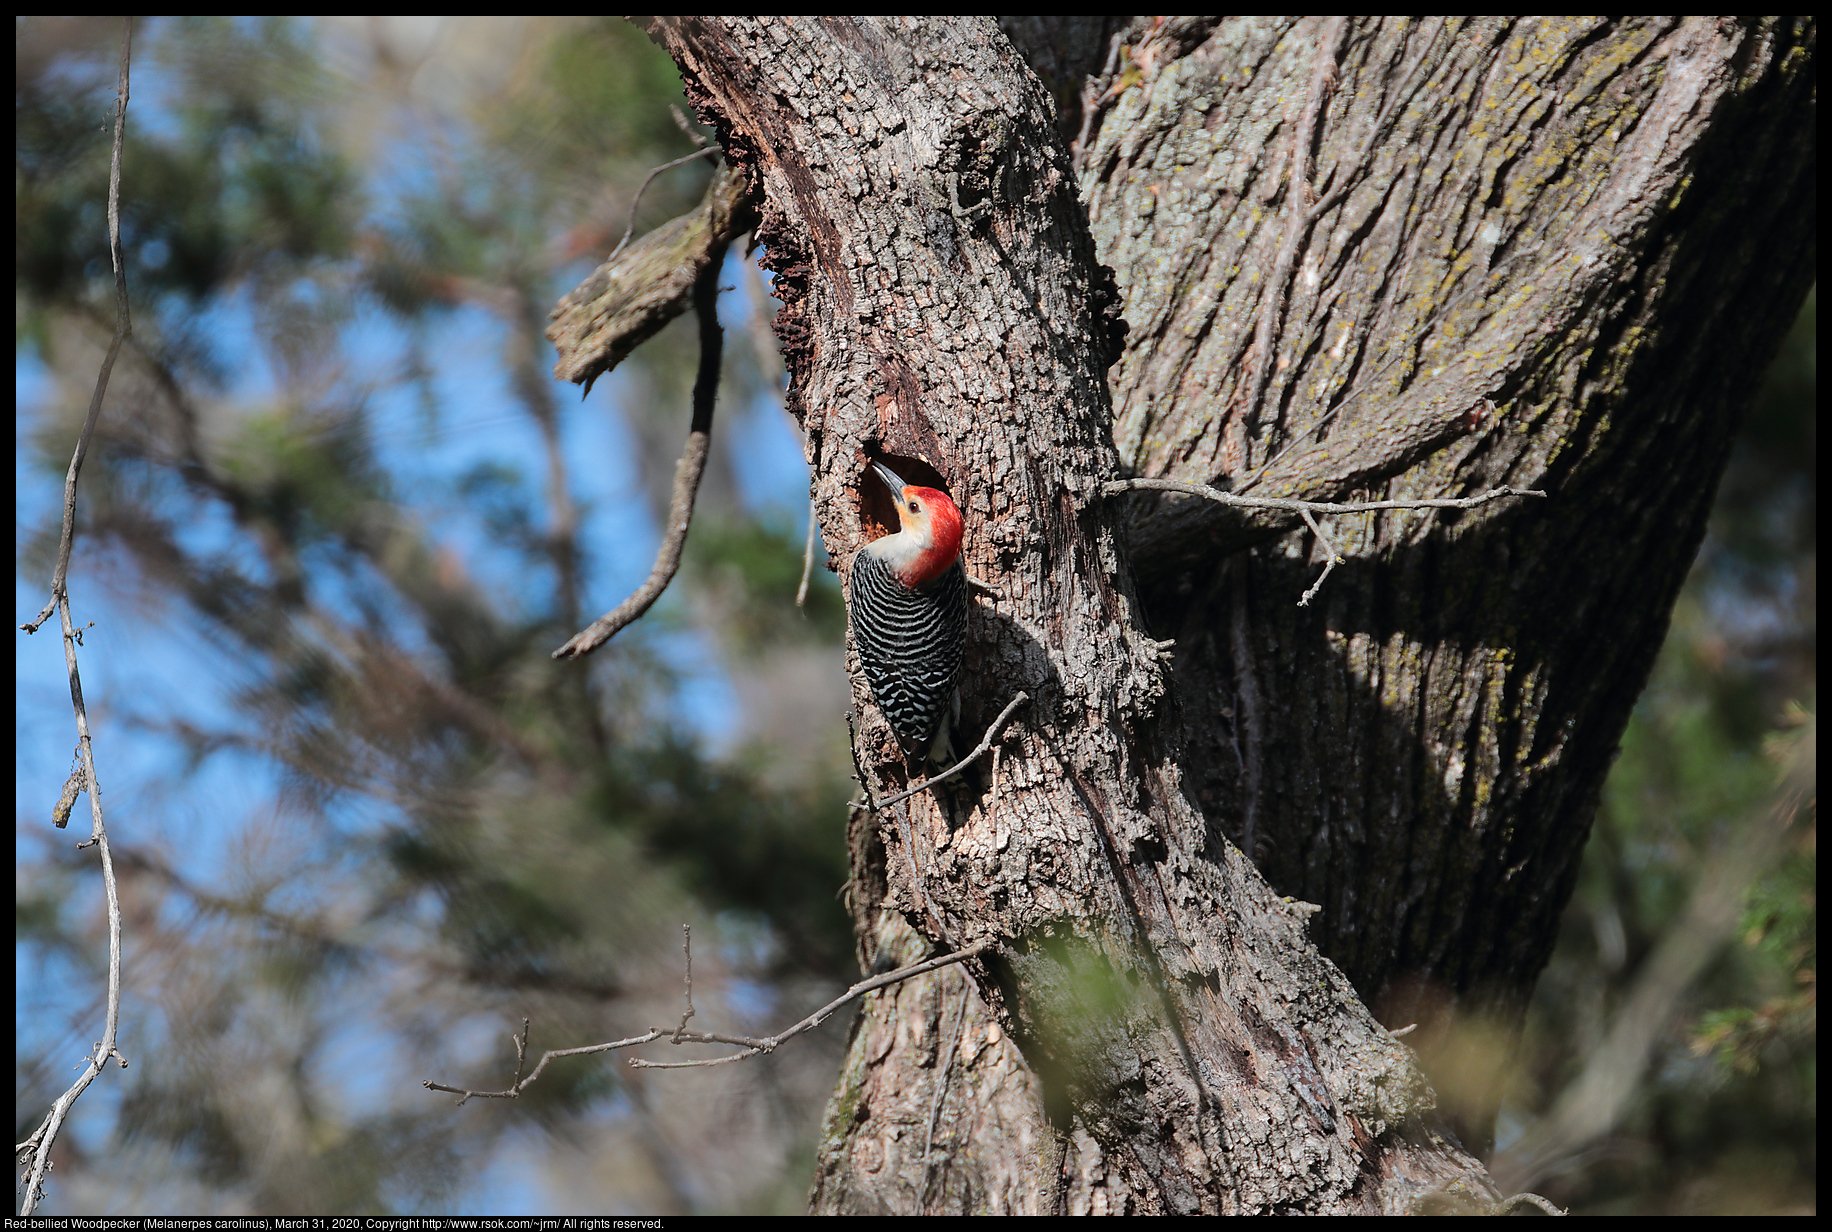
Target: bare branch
630,227
124,329
1531,1199
801,592
687,474
34,1154
752,1046
628,299
515,1088
1117,486
687,956
963,763
1308,509
1330,557
686,126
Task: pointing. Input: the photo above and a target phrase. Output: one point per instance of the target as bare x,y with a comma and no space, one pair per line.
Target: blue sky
145,667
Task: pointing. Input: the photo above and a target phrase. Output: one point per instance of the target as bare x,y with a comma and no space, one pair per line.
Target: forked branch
1309,509
752,1046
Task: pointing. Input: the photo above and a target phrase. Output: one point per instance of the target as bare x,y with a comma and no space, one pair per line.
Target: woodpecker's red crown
930,540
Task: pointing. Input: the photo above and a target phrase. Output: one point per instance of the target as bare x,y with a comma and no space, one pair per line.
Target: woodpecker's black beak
891,481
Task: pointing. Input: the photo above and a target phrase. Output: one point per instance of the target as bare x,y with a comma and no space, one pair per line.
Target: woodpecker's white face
913,512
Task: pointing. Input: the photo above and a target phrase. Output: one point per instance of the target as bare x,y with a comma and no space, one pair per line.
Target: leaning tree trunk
1411,257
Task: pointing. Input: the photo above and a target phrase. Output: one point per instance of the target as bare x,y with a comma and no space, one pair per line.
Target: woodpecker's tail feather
941,748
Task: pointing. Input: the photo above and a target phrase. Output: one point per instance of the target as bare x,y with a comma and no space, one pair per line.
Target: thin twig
687,956
1116,486
751,1045
984,744
630,227
686,126
1532,1199
1308,509
515,1089
124,330
687,474
35,1152
521,1050
1330,557
801,592
754,1047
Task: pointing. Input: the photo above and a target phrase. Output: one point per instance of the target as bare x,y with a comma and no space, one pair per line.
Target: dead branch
801,591
754,1047
751,1045
520,1084
687,957
687,474
630,226
34,1154
984,744
1309,509
628,299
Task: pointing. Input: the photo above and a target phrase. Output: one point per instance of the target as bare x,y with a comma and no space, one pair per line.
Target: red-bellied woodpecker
909,613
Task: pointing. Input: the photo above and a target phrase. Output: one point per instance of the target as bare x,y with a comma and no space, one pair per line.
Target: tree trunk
1403,258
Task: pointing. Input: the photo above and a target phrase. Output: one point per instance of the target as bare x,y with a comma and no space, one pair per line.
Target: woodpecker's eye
915,508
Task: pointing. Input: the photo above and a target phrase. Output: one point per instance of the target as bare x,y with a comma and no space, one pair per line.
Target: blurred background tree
337,516
1725,1120
339,513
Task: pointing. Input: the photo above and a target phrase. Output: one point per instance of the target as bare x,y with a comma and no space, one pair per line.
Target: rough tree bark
1399,258
1590,237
